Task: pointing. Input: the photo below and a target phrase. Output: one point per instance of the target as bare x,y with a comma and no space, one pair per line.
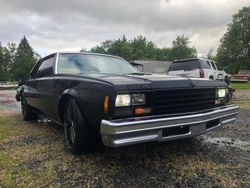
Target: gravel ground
33,155
8,101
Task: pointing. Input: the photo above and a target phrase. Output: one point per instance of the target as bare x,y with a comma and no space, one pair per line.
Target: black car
99,97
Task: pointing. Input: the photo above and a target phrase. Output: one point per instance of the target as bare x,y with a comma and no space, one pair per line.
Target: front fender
68,93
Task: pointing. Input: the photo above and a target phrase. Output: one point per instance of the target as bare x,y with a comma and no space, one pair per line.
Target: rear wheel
27,111
211,77
79,138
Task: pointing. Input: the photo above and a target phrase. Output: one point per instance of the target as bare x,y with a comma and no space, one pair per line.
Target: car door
45,83
32,95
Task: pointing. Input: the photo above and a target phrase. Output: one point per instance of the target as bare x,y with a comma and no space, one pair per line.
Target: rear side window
205,64
185,65
213,65
46,68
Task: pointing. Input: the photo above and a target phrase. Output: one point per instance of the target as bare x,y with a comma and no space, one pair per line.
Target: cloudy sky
54,25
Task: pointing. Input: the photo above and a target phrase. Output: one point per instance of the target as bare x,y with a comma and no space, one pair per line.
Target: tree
210,55
120,47
7,55
163,54
137,49
25,58
141,49
181,48
234,50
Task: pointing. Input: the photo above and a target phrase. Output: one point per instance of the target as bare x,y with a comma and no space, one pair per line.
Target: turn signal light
106,104
139,111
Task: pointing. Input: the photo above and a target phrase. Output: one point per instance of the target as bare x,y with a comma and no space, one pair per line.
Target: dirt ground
33,155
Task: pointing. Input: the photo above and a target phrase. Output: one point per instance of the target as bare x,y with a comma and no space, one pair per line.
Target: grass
33,155
239,86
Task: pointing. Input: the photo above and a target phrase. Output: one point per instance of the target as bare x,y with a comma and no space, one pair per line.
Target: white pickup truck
197,68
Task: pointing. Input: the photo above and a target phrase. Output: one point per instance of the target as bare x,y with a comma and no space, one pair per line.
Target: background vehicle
102,97
197,68
242,76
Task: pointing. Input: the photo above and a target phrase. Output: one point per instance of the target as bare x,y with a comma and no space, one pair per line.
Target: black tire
211,77
78,135
27,111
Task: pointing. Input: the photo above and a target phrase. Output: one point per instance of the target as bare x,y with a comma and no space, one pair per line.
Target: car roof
190,59
85,53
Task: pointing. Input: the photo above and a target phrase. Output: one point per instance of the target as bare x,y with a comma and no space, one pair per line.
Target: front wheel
79,138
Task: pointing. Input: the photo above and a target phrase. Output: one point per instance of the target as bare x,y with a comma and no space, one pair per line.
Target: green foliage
238,86
24,60
234,50
181,49
7,59
141,49
16,62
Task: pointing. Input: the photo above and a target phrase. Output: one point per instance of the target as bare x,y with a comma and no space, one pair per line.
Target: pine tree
24,60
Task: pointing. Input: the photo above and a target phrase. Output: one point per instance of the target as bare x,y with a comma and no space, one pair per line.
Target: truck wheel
211,77
27,111
78,135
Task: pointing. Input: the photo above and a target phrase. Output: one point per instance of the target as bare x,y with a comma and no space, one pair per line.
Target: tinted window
205,64
46,68
213,65
89,63
185,65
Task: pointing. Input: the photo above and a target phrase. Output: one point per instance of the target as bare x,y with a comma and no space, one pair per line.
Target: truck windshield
69,63
185,65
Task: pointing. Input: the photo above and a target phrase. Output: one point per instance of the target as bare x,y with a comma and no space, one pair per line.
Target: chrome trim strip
56,64
215,127
177,135
135,139
228,120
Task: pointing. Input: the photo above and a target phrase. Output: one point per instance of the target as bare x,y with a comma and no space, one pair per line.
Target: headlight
123,100
138,99
221,93
130,100
221,96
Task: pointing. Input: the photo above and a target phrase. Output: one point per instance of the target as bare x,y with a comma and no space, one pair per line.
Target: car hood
154,81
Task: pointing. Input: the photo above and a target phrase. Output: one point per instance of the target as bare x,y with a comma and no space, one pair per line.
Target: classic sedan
102,98
242,76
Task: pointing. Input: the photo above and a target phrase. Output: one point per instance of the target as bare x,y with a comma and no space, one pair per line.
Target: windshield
92,63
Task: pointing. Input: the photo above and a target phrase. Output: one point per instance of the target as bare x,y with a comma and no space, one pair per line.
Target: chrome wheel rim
70,125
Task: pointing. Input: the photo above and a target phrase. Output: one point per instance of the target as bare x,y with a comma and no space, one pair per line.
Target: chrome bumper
129,131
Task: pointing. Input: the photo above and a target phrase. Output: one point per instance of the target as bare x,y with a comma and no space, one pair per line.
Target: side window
34,70
206,64
213,65
46,68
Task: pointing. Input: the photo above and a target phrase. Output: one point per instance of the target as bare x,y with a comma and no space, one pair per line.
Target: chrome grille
183,100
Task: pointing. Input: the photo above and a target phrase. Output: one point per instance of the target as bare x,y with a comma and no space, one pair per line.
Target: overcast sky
54,25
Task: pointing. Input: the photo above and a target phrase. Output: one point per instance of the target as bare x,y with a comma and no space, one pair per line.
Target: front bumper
129,131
